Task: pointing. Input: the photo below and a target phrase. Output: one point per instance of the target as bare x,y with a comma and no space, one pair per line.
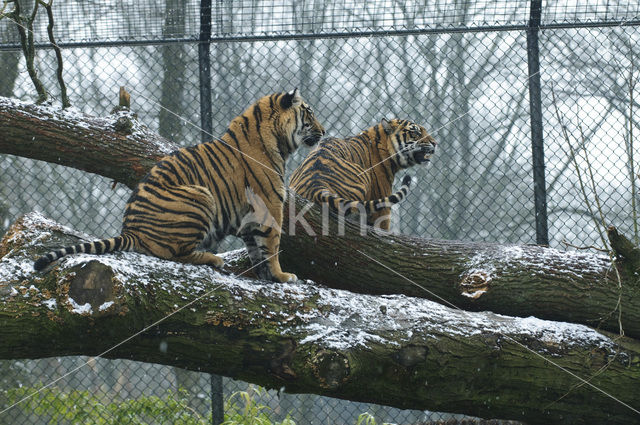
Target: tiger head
409,143
295,123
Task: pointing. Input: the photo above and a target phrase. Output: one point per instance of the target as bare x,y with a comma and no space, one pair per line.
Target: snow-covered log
393,350
117,146
513,280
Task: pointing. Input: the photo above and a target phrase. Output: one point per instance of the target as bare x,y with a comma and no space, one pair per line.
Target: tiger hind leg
209,243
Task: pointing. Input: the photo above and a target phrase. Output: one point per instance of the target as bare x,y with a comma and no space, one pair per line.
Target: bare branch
56,48
28,49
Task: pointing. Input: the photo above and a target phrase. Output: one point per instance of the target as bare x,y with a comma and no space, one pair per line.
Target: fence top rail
326,35
118,22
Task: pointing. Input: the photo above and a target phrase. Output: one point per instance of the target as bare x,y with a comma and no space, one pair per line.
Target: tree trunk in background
10,62
9,71
174,68
170,124
404,352
224,66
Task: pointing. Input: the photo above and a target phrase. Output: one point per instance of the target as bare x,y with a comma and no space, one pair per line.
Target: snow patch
105,306
13,269
89,123
80,309
358,321
51,304
541,260
34,221
232,256
474,295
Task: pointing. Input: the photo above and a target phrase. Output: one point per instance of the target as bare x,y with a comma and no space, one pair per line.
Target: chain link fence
460,68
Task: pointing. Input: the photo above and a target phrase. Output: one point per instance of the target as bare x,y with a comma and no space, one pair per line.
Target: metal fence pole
206,125
217,400
204,61
535,108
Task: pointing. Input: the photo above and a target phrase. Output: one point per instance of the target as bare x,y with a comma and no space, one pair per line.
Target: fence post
535,109
204,61
206,125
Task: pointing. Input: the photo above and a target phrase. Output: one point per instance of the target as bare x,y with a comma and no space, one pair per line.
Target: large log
394,350
506,279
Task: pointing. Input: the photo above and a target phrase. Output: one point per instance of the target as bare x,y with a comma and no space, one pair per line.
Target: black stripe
272,105
222,200
257,116
221,144
188,158
203,168
171,171
184,168
178,172
258,232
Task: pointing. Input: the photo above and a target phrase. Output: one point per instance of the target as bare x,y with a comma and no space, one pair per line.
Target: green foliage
81,407
367,418
250,413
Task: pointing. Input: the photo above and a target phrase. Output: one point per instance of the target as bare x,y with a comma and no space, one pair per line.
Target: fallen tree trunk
394,350
507,279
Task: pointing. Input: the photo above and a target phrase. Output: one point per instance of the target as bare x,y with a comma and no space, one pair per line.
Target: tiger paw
202,257
285,277
218,265
213,260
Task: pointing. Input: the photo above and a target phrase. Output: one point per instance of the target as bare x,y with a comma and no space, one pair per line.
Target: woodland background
458,68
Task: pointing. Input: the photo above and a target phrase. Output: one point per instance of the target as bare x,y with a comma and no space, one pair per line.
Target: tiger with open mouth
356,173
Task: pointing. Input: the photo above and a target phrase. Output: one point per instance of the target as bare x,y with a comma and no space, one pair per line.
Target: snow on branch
406,352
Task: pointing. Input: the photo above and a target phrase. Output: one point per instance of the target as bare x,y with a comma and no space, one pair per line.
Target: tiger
192,198
356,174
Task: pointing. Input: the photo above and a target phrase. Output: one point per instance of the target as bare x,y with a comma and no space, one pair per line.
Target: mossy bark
393,350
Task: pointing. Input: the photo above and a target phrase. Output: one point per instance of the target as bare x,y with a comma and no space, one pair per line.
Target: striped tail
119,243
338,203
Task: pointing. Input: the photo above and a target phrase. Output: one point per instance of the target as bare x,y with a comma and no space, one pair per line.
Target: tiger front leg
260,229
263,245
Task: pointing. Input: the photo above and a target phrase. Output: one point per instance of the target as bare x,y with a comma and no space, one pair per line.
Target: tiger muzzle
424,154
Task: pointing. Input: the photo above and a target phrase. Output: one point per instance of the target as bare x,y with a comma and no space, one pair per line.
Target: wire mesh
458,68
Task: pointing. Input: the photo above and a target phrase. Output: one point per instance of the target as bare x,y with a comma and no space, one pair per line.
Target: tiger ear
290,99
386,125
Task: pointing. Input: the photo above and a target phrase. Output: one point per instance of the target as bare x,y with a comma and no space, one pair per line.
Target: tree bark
394,350
506,279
